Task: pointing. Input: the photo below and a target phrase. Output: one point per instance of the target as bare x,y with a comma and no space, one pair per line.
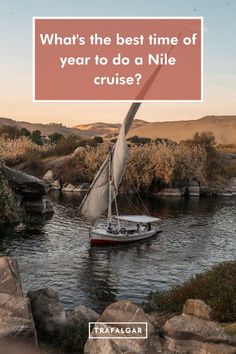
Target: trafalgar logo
114,330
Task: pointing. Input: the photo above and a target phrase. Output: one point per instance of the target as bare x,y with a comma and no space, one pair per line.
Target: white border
115,18
120,323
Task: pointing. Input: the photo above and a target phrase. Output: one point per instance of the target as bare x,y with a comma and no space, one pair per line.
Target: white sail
96,200
121,153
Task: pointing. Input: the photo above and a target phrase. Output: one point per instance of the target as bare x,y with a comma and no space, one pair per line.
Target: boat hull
102,237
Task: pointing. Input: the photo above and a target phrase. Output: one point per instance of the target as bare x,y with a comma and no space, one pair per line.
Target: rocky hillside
84,130
46,129
223,127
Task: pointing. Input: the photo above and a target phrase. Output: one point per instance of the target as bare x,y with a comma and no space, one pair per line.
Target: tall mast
110,189
105,185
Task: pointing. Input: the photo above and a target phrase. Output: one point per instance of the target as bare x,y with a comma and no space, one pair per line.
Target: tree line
36,136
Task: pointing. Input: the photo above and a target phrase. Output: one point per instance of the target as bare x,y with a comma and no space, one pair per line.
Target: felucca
104,190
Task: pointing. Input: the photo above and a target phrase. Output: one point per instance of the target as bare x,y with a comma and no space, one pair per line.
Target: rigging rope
132,205
137,192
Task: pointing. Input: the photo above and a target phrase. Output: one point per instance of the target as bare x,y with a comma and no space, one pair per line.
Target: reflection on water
56,252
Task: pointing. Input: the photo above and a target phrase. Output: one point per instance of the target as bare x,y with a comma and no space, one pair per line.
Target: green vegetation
69,340
205,139
12,132
139,140
165,165
36,137
73,338
9,131
73,170
67,145
83,166
20,145
15,151
55,138
97,140
217,287
215,167
152,164
8,212
25,132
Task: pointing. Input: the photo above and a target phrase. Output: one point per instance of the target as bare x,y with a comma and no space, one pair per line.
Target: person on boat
109,229
138,228
148,226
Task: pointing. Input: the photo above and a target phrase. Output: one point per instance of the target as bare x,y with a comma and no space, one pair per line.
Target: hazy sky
16,59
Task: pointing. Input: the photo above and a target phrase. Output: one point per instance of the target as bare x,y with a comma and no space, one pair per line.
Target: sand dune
101,128
223,127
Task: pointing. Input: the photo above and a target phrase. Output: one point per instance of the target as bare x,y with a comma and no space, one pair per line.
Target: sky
16,60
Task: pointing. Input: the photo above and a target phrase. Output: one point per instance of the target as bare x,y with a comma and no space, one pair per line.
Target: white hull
103,237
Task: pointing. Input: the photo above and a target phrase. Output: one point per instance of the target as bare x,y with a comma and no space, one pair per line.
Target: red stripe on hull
107,242
97,242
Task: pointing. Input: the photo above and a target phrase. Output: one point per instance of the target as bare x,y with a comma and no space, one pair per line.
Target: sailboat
104,190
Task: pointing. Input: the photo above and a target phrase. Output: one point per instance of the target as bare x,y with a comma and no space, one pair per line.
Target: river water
196,234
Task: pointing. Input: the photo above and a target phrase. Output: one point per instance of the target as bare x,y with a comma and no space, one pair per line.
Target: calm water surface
56,252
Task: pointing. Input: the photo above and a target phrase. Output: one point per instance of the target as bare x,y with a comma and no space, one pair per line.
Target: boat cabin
143,223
